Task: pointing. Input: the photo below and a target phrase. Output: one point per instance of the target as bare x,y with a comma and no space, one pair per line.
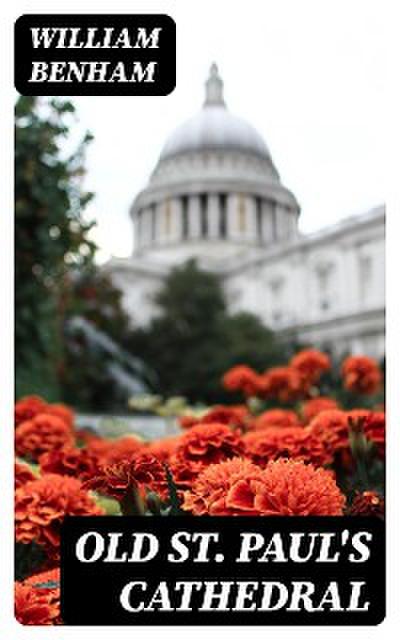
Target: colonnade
233,216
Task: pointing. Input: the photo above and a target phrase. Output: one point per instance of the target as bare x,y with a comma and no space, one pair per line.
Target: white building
216,195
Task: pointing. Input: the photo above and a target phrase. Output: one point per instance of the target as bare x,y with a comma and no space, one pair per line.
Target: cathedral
215,195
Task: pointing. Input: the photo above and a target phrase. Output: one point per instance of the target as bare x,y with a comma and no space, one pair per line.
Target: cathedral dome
214,127
214,189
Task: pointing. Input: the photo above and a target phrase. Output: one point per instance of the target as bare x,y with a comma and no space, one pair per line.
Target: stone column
194,216
153,224
268,227
163,212
288,224
293,229
280,221
231,215
251,218
176,220
241,217
157,222
213,215
238,216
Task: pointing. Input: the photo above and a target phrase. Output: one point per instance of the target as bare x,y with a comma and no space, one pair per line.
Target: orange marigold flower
36,606
48,581
22,473
39,602
368,503
361,375
121,479
311,364
183,472
292,488
284,384
61,411
374,430
164,448
42,504
313,407
285,487
40,434
233,415
86,435
242,378
188,421
28,407
332,427
110,451
275,418
123,448
98,446
70,461
297,443
207,444
225,489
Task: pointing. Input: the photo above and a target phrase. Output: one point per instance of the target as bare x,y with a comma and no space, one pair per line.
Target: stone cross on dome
214,88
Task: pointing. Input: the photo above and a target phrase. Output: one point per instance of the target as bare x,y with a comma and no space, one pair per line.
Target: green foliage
194,340
250,342
192,299
35,373
51,237
29,559
111,507
173,498
93,296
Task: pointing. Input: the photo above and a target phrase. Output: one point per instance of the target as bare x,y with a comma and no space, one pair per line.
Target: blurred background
111,305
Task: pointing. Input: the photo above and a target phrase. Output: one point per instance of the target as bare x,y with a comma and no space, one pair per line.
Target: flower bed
290,448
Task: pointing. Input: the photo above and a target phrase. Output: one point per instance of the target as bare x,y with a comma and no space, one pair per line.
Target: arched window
324,272
222,215
277,285
242,214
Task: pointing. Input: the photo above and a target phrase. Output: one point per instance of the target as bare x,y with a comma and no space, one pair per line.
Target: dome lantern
214,88
214,127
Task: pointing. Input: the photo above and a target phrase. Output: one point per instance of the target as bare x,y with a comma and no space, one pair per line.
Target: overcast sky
308,75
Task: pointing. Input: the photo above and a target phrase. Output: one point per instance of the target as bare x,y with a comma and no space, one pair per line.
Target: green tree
51,237
193,339
252,343
93,296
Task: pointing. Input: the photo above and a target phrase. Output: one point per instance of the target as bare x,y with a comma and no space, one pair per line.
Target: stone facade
215,195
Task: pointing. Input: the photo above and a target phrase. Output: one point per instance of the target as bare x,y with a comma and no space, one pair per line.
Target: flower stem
132,504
